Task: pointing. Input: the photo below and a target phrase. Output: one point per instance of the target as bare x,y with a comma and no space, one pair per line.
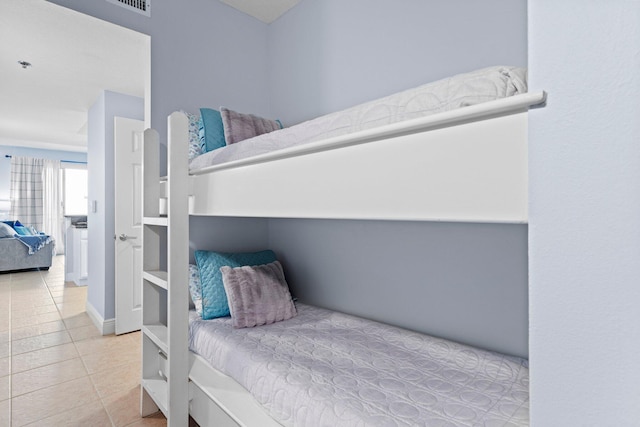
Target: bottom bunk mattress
323,368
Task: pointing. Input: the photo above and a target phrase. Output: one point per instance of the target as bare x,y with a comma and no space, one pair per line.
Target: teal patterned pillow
195,288
194,135
214,298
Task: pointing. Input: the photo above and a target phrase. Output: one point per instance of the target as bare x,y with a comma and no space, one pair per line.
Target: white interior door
128,223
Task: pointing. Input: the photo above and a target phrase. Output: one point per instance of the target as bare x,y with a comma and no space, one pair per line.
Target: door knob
124,237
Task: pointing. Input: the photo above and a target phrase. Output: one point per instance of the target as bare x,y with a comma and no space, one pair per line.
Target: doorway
60,63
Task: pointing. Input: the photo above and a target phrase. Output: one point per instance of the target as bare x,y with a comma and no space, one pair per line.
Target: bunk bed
465,164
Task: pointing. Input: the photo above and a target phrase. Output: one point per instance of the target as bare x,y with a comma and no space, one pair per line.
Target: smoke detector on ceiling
141,6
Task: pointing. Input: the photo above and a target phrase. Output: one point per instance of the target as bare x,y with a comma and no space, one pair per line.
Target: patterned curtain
53,219
26,191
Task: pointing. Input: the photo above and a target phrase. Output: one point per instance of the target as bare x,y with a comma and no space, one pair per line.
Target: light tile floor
55,367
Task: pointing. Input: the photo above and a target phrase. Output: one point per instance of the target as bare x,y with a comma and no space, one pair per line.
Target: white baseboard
106,327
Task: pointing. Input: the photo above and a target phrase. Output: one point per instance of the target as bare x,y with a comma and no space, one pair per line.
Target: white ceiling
265,10
75,57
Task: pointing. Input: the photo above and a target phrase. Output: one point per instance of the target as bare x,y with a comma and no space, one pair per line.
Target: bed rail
465,165
459,116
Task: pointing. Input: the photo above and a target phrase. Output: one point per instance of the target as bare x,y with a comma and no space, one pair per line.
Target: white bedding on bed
324,368
443,95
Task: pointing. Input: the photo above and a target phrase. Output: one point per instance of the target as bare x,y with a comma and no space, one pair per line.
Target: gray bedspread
324,368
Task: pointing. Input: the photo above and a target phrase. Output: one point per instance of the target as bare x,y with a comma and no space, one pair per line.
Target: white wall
332,54
584,231
101,291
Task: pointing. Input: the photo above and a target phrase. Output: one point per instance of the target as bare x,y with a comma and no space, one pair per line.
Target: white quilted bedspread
447,94
324,368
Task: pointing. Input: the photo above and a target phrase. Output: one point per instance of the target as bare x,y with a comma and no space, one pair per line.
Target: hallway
55,367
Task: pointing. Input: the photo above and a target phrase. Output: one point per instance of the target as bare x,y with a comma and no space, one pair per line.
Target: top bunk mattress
323,368
443,95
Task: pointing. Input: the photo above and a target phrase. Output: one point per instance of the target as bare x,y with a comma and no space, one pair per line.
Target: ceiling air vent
140,6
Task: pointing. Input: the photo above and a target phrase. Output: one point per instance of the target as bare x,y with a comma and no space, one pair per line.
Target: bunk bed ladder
165,292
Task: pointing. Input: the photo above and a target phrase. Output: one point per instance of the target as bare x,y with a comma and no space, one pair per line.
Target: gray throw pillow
258,295
239,126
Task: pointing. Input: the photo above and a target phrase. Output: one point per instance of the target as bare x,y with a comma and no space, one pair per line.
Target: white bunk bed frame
466,165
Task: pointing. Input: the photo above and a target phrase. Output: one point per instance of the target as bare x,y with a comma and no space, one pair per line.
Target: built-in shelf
157,389
157,277
156,220
165,360
157,333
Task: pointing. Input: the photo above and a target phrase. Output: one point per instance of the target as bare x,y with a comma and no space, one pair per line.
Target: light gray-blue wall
466,282
584,227
332,54
96,139
100,156
227,234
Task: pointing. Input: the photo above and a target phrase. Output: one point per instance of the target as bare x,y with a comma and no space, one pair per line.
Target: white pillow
6,230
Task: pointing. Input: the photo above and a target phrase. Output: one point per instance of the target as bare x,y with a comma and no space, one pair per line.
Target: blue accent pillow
13,224
214,298
212,131
22,230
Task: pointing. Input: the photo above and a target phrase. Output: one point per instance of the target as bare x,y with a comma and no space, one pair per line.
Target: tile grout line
75,345
11,349
63,307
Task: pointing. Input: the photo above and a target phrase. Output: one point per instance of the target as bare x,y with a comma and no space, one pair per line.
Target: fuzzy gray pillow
258,295
239,126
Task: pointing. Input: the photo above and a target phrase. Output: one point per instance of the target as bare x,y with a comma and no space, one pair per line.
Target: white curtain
36,196
26,191
53,220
